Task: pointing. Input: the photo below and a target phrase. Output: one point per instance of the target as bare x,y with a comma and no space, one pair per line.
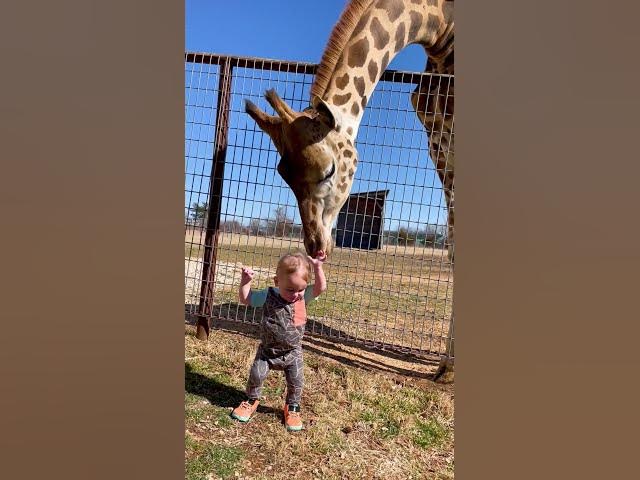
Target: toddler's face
291,286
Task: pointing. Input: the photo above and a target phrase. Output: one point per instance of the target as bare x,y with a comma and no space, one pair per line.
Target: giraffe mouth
313,251
318,242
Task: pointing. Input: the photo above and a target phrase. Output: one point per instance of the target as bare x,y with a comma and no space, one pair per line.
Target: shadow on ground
340,347
216,392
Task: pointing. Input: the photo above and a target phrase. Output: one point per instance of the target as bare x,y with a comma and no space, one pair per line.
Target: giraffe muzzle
318,242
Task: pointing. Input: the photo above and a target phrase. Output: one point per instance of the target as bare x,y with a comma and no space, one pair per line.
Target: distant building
361,220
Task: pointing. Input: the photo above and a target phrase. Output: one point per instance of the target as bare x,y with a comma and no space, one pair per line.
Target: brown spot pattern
348,153
343,187
355,109
350,130
400,37
351,172
343,168
380,35
385,62
393,8
373,70
342,81
432,3
433,22
415,24
360,26
363,102
359,84
341,99
340,145
358,53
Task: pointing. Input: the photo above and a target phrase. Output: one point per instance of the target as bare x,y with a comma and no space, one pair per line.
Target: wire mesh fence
390,280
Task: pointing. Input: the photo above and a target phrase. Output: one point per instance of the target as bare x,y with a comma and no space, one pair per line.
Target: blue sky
285,30
279,29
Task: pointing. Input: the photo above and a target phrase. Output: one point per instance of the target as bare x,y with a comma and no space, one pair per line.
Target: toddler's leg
295,376
257,375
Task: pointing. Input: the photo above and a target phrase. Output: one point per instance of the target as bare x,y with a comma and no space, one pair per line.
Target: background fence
390,282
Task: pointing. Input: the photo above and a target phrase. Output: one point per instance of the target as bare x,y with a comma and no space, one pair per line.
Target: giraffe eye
330,174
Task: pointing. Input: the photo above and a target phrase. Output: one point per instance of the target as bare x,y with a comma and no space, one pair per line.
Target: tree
435,236
255,227
232,226
405,237
281,224
199,213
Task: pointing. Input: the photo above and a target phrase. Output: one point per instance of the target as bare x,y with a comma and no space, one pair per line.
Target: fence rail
393,292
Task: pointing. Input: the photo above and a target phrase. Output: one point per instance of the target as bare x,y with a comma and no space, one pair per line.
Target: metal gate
393,293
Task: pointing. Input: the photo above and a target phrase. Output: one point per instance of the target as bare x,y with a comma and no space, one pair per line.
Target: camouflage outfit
281,332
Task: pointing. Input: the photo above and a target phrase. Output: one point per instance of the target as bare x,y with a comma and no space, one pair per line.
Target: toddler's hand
247,275
320,257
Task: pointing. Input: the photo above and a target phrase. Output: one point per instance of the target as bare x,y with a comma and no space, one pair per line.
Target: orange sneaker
245,410
292,419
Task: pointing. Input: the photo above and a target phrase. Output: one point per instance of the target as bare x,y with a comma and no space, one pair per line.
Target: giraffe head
317,161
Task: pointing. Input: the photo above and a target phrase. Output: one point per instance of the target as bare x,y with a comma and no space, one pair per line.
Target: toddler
281,330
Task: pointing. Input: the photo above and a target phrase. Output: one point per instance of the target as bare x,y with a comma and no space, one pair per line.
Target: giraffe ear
330,114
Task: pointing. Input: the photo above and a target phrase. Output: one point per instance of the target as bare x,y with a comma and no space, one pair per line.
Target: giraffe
317,146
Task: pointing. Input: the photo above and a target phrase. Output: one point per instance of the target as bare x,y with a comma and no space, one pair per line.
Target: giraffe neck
381,30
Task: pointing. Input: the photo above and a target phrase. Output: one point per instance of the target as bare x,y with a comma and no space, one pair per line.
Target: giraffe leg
433,103
445,371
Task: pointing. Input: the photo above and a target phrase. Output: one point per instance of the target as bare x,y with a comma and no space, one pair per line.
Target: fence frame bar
215,196
395,76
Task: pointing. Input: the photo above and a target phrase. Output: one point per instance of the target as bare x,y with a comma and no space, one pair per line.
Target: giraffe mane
337,41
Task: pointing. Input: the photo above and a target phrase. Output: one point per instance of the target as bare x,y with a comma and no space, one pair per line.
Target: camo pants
290,363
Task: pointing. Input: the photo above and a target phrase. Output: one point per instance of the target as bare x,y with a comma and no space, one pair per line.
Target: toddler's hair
292,262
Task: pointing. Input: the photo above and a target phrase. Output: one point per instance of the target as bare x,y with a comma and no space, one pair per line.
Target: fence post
215,200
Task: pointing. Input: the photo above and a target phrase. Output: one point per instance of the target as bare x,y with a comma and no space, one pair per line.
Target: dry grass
366,415
396,295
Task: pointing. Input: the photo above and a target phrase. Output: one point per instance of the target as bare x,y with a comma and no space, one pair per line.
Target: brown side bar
215,199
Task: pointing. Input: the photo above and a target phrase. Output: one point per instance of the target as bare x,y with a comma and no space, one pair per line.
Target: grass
395,295
429,434
362,419
204,458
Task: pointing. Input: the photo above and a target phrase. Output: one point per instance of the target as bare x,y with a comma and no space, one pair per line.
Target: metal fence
238,211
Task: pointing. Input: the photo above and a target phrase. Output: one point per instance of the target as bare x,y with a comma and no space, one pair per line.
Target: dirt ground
367,414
